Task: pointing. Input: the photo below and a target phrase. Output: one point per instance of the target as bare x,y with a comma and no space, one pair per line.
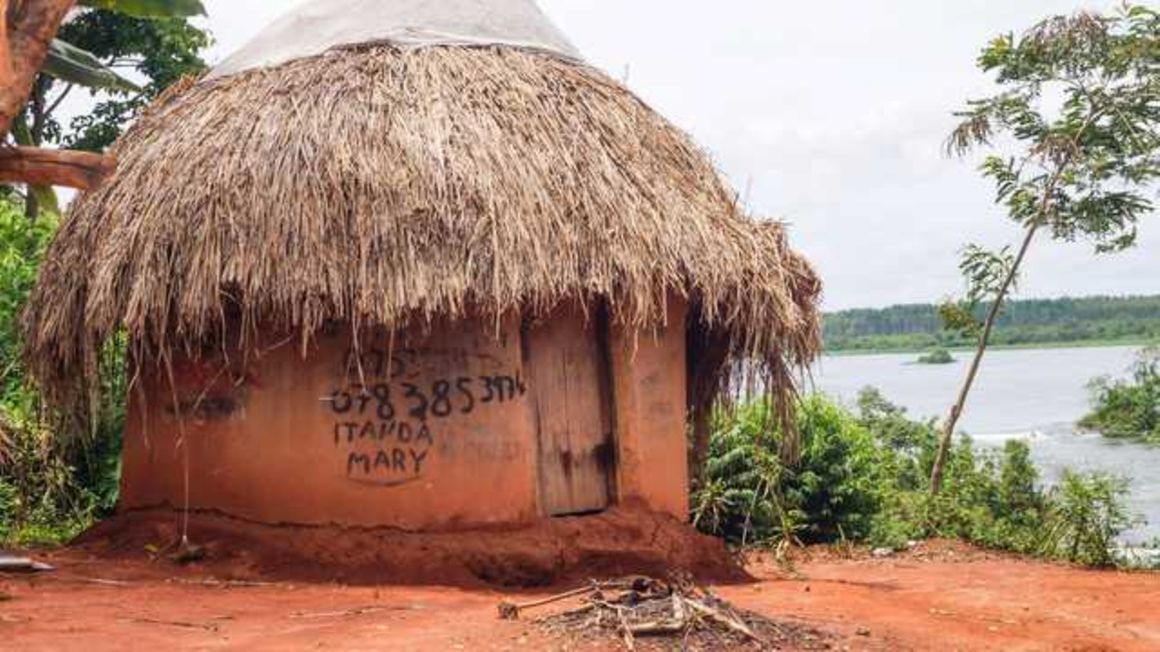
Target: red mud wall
443,437
649,377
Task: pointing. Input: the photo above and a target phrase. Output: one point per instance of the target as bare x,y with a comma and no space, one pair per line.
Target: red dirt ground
941,596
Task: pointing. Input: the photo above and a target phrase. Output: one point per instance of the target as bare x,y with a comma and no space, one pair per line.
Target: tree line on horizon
1134,319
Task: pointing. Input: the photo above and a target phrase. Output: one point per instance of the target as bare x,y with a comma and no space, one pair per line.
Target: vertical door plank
566,375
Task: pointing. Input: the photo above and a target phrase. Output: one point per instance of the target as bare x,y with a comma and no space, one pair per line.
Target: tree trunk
706,358
36,119
7,70
948,431
30,26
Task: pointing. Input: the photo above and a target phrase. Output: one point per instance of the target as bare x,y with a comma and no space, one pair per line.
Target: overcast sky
830,116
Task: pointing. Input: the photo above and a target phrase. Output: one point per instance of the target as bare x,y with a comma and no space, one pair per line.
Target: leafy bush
1129,409
741,496
864,478
55,476
748,494
936,356
22,243
40,500
1086,513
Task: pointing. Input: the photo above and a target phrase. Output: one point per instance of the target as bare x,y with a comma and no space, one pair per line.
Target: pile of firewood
645,608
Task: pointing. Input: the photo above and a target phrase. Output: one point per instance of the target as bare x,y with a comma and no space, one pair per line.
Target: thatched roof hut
425,163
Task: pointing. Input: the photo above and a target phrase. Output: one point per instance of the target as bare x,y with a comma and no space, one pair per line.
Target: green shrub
22,243
40,501
55,475
936,356
740,498
839,483
864,478
1128,409
1086,515
748,494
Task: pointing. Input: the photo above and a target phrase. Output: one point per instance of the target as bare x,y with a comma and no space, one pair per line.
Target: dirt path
942,597
950,597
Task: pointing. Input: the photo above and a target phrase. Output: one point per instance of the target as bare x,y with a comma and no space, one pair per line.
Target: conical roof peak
317,26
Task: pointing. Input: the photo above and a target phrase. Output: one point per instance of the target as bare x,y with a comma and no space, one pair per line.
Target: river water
1036,395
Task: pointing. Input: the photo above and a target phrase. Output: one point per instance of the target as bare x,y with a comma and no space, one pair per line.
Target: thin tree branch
56,103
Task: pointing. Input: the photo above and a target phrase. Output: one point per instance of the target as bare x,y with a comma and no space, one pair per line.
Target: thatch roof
378,185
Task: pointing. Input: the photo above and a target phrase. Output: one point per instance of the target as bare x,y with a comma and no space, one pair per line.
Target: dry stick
658,627
223,583
511,610
625,629
357,611
731,623
575,612
103,582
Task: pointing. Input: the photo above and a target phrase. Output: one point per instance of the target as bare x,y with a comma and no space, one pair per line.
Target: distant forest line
1029,322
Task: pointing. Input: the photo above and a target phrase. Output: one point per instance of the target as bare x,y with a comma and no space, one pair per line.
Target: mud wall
649,383
434,430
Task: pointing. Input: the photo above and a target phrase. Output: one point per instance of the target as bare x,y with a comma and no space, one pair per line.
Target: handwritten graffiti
384,415
441,399
379,431
396,460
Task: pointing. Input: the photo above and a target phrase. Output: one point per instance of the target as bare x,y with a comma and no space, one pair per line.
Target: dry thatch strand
383,187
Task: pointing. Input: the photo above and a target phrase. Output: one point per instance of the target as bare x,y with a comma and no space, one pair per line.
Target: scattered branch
638,607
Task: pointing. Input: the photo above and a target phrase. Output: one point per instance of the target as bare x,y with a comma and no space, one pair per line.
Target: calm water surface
1036,395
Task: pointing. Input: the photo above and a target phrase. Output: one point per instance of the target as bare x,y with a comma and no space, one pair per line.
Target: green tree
30,48
1074,140
1129,409
158,50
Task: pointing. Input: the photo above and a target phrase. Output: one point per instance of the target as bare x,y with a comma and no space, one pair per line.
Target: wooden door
567,373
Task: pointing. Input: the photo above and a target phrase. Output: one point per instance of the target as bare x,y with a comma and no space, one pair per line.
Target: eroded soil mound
621,541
